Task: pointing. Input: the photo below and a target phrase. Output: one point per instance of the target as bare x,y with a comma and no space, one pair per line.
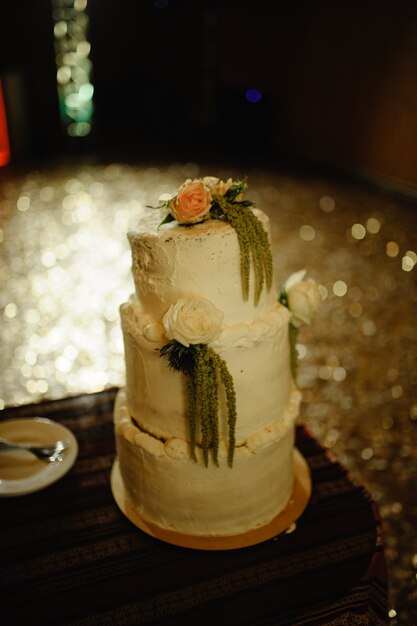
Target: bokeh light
74,68
253,95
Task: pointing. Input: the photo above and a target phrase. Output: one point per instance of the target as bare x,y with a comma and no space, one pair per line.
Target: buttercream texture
162,480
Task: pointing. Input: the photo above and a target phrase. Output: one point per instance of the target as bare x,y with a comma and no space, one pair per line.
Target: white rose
304,298
192,321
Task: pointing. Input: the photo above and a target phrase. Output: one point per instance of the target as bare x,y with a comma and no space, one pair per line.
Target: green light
86,92
79,129
75,90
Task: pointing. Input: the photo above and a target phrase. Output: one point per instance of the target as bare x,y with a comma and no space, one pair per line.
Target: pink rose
192,202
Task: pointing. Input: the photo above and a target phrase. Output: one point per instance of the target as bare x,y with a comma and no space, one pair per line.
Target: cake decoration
192,321
223,392
192,203
209,197
191,325
303,299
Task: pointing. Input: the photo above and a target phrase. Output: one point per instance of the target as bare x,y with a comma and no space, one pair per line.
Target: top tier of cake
172,262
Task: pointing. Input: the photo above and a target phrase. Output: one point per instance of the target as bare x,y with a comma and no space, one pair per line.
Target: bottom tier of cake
174,492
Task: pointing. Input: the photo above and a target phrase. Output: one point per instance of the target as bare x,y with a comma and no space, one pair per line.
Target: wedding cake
204,427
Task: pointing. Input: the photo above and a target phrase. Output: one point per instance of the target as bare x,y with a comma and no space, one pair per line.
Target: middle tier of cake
257,355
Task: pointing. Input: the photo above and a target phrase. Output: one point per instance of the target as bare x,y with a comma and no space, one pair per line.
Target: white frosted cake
205,425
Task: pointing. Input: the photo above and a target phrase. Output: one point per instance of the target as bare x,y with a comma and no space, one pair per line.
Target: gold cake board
280,523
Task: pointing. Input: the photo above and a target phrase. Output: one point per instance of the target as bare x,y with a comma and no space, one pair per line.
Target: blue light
253,96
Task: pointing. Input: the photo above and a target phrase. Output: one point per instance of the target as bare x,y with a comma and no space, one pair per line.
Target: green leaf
169,218
180,358
236,189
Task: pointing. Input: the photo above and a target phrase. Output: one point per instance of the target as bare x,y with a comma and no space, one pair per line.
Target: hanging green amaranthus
203,369
254,245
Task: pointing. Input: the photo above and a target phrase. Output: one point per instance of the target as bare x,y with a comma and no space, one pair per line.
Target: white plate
21,472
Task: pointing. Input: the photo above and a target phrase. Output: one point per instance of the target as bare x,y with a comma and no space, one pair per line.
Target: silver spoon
49,453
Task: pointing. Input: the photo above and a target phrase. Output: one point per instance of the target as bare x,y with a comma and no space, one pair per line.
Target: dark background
338,83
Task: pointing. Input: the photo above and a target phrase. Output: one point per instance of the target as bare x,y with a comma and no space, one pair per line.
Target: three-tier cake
205,424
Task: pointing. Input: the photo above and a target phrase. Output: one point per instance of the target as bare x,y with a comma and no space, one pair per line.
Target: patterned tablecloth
69,556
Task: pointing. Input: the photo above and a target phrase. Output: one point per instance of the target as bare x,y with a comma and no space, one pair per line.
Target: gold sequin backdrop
65,269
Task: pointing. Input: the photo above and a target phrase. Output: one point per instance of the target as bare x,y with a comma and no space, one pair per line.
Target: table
69,556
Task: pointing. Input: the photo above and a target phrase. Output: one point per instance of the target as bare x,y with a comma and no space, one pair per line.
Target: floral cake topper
192,203
200,199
